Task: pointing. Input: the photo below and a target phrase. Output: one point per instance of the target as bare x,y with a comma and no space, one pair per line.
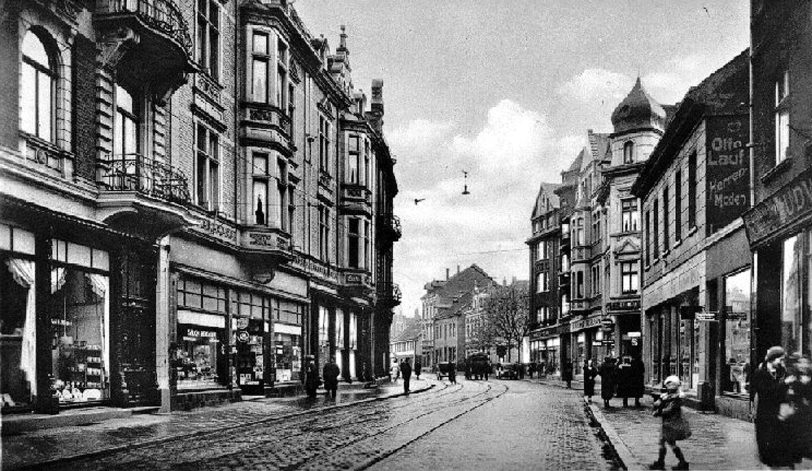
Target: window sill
779,169
692,230
677,243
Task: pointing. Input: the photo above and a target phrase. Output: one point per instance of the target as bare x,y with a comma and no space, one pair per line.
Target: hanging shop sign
243,336
728,170
707,316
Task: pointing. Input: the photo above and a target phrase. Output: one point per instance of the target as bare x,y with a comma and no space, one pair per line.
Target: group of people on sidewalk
625,381
781,393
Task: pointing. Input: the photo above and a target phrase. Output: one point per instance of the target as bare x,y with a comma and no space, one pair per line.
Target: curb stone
146,443
622,452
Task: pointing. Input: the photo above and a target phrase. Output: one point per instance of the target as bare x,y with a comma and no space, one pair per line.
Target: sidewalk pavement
718,442
37,448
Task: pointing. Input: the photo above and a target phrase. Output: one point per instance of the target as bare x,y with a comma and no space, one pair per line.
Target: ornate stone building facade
193,196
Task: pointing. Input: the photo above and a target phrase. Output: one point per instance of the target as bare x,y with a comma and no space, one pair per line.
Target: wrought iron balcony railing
135,172
389,293
161,15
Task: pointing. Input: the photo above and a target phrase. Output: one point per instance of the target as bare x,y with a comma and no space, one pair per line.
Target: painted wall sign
727,170
786,206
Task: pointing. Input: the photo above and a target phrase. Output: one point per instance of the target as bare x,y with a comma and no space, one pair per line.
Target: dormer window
628,152
782,117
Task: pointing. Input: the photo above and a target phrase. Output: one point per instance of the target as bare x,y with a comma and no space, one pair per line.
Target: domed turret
638,111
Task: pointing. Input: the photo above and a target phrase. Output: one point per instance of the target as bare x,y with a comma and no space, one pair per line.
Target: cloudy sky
506,91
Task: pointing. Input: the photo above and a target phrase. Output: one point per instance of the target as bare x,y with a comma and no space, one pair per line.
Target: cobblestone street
470,425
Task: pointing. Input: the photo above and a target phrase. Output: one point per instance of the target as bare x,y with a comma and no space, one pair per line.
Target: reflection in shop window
81,332
790,295
737,332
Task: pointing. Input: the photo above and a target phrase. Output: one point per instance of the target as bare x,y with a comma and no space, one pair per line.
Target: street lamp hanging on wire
465,186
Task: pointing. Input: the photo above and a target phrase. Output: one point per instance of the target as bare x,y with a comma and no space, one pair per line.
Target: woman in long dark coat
566,373
589,379
768,390
608,373
637,388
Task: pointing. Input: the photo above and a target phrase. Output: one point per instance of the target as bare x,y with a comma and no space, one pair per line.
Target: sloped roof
548,190
411,332
598,143
575,166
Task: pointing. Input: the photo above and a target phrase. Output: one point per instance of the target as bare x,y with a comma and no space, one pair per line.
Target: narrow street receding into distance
469,425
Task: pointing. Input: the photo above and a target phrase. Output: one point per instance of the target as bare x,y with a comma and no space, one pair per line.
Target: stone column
162,330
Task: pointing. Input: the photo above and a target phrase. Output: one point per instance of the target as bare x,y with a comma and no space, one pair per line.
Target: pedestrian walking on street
624,380
395,373
799,394
499,370
417,368
406,371
675,427
638,386
608,373
531,369
589,379
330,373
566,374
768,391
452,373
311,376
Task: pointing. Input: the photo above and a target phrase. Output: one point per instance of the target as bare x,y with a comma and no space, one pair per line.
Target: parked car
510,371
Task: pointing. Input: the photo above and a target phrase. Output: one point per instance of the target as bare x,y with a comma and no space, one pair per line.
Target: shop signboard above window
786,208
728,170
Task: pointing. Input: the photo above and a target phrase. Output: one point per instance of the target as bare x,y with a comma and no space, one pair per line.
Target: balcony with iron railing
390,225
147,194
146,41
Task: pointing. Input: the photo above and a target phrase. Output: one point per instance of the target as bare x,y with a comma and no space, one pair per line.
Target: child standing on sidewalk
675,427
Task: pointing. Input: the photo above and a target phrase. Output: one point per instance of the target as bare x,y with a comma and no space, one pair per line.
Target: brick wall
84,106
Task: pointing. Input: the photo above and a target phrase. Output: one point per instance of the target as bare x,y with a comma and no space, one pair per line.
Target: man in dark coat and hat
406,371
768,390
417,368
311,376
608,373
330,373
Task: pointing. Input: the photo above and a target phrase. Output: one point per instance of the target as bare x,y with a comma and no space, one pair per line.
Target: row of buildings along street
193,197
682,237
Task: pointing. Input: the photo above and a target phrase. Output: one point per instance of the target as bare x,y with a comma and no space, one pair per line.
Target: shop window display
198,355
17,331
686,347
80,326
288,357
737,333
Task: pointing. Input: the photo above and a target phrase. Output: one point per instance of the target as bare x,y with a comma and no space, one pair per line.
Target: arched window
37,88
628,152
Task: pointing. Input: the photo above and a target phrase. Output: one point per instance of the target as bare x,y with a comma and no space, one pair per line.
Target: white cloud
512,152
596,85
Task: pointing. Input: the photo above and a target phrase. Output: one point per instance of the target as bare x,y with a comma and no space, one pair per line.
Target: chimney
446,274
375,113
458,269
342,45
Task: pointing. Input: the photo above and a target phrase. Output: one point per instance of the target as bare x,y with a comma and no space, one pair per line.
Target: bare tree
506,311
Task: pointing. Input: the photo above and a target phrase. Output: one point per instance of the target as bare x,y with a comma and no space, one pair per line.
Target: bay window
259,66
630,277
630,218
353,161
260,188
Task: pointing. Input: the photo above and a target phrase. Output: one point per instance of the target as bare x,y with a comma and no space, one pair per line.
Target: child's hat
672,381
